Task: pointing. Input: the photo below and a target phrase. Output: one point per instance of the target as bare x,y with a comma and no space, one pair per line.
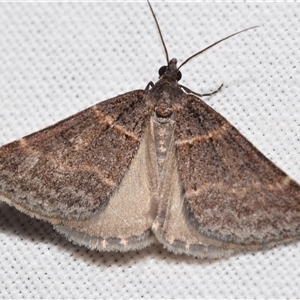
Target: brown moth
152,165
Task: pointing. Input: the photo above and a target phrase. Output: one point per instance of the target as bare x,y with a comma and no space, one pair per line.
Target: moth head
170,70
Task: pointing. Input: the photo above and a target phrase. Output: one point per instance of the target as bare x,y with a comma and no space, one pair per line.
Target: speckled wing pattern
152,165
231,192
69,170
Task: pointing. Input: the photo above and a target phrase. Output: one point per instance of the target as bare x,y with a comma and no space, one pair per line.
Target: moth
152,165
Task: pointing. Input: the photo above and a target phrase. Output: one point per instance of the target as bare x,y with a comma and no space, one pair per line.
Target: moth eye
178,76
162,70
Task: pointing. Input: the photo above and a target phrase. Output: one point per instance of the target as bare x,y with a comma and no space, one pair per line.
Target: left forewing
68,170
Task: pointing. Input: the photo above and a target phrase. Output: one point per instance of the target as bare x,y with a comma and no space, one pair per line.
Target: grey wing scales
68,170
232,192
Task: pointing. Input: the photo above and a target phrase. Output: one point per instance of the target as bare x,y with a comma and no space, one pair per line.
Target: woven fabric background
59,58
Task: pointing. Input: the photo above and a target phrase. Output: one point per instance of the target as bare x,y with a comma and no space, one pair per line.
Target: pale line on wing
106,119
240,191
214,134
62,167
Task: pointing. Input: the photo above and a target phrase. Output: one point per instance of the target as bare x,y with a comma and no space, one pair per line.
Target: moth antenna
159,31
196,54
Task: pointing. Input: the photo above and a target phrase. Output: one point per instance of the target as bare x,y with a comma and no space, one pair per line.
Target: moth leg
150,84
187,90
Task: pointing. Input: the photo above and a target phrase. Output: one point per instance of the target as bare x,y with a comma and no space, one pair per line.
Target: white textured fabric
59,58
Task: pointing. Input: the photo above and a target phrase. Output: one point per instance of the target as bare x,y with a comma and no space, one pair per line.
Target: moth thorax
164,107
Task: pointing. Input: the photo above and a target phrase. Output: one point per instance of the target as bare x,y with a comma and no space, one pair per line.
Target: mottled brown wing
232,191
68,170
